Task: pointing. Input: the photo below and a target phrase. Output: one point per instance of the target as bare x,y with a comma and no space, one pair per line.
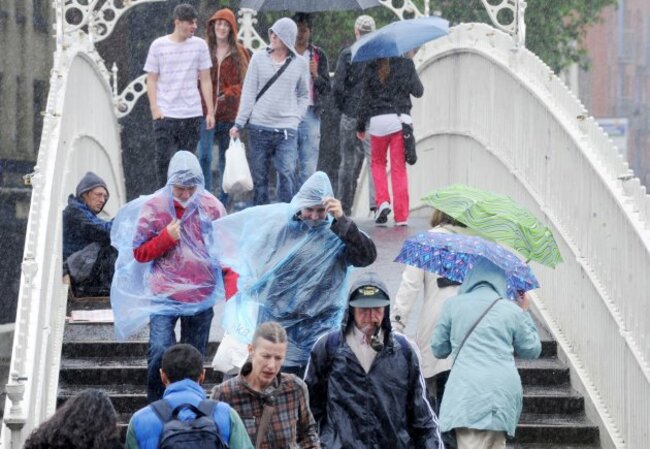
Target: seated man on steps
88,256
182,373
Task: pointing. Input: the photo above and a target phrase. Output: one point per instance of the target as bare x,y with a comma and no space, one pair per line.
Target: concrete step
557,399
126,398
129,397
543,371
91,349
557,429
107,371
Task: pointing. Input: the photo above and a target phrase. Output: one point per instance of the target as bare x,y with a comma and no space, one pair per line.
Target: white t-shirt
177,65
385,124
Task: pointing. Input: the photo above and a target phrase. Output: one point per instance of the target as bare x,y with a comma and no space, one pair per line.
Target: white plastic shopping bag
236,176
231,355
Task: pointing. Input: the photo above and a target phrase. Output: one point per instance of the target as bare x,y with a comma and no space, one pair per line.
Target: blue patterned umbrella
453,256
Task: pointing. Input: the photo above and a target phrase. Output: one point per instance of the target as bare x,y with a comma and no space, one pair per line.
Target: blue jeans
195,330
281,146
308,146
221,132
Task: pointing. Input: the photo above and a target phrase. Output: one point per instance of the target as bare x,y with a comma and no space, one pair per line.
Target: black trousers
172,135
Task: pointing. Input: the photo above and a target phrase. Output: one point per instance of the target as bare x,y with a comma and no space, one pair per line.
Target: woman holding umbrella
483,330
387,86
435,289
229,65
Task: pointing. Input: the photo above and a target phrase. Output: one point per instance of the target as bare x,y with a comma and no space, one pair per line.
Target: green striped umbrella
498,218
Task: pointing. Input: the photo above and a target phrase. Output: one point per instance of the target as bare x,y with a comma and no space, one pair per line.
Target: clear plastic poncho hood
288,271
186,279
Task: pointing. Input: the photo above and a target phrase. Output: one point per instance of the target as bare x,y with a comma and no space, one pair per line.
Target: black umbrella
307,5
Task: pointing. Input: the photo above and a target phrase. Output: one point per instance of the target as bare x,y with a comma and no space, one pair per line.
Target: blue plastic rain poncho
484,389
291,271
184,278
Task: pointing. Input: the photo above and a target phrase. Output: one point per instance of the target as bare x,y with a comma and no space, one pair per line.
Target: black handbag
409,144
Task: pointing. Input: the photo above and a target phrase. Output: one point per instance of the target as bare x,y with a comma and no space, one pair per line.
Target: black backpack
202,432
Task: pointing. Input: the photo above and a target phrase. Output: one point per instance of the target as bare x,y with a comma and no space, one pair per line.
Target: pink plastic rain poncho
186,279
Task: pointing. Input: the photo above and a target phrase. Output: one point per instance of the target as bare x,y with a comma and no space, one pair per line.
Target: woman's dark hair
85,421
383,69
440,218
235,48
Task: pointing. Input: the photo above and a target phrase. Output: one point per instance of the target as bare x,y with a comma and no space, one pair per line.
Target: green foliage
555,29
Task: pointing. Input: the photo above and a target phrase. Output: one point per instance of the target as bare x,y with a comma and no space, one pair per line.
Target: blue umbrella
397,38
453,256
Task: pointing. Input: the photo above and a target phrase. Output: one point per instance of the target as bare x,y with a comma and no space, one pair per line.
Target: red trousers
399,180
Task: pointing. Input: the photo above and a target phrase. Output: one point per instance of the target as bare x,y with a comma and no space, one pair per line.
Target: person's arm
360,250
88,225
249,92
412,283
239,438
302,89
154,248
322,77
152,85
422,421
316,381
363,111
152,243
307,430
526,341
131,440
230,278
338,81
441,340
206,91
416,87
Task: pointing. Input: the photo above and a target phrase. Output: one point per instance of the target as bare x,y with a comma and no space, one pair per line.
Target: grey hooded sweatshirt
285,103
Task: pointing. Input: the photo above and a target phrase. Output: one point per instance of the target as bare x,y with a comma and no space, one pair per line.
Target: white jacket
414,281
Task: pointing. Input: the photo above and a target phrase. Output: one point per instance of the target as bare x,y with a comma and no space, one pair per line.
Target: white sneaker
381,216
401,223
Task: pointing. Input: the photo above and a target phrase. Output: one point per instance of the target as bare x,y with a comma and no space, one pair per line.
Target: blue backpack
203,432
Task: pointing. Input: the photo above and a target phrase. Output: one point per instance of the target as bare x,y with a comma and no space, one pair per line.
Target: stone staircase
553,414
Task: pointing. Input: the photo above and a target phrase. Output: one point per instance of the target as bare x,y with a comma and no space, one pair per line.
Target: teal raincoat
484,389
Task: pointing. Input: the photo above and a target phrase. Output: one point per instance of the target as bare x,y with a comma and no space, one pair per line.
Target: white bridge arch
80,131
494,116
